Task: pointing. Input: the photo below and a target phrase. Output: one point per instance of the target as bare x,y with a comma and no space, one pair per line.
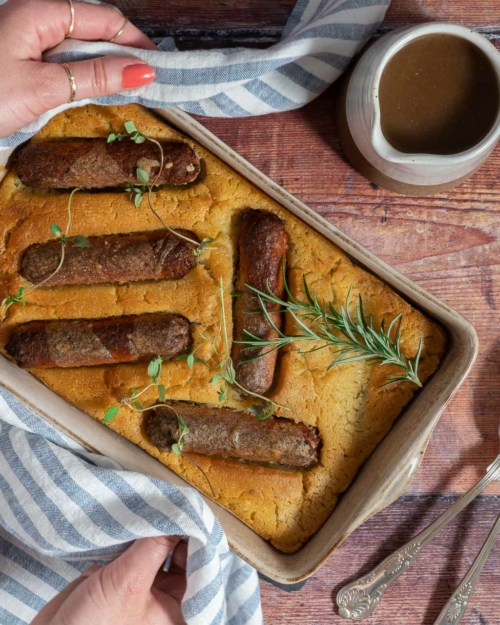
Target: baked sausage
263,244
77,343
111,258
224,432
96,164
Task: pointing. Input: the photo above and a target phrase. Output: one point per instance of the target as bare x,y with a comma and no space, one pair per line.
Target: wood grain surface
448,243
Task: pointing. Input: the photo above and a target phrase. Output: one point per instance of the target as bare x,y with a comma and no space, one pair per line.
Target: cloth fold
63,508
318,42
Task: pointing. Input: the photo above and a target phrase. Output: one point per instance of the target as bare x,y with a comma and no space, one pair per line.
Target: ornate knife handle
358,600
453,611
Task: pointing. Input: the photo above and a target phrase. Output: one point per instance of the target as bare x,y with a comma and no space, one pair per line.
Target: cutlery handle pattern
358,600
453,611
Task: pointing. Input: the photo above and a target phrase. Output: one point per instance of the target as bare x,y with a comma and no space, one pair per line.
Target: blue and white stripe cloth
62,507
319,40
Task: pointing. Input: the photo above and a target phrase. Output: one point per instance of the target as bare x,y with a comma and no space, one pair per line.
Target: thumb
51,85
134,571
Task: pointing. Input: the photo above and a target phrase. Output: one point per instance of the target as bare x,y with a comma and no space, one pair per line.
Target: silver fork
453,611
358,599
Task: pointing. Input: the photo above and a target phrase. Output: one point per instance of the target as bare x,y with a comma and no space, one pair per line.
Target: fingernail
137,75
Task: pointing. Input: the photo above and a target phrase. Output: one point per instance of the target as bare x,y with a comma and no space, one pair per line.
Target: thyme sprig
78,241
184,431
354,337
137,192
133,403
227,375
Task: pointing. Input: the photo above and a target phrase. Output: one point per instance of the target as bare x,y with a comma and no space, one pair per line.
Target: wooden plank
449,243
157,17
484,14
420,593
219,19
154,15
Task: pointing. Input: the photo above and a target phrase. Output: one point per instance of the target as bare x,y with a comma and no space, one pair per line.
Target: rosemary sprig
78,240
354,337
137,192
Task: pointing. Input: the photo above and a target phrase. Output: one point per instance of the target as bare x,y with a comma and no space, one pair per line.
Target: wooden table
447,243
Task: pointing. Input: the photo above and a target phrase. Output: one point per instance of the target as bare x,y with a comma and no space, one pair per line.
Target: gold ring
71,82
120,31
72,22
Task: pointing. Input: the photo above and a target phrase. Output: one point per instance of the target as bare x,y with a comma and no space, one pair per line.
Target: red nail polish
137,75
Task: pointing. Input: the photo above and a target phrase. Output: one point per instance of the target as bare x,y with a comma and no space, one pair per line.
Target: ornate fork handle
453,611
359,599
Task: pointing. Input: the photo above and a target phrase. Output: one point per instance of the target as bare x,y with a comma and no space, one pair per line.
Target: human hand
130,590
31,87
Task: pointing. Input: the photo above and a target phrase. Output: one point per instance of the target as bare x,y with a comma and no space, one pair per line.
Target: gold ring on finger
72,21
72,82
120,31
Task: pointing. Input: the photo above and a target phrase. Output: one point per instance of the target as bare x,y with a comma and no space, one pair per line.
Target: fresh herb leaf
138,197
191,358
154,368
142,175
80,241
261,411
202,246
56,230
216,379
162,392
222,394
119,136
353,336
110,414
176,449
130,127
15,299
63,238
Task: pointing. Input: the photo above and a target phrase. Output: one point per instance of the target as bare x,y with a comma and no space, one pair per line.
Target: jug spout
376,108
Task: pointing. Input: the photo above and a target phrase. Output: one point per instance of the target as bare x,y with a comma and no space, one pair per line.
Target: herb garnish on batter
78,241
137,192
353,337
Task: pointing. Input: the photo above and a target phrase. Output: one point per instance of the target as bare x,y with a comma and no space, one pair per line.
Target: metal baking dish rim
365,495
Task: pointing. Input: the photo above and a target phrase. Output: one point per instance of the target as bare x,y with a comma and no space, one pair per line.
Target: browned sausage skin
233,434
112,258
263,244
76,343
96,164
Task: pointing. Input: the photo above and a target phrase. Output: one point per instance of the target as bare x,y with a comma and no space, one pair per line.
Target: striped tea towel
319,40
63,508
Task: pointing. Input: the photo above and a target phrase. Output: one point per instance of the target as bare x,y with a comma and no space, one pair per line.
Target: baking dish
388,470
